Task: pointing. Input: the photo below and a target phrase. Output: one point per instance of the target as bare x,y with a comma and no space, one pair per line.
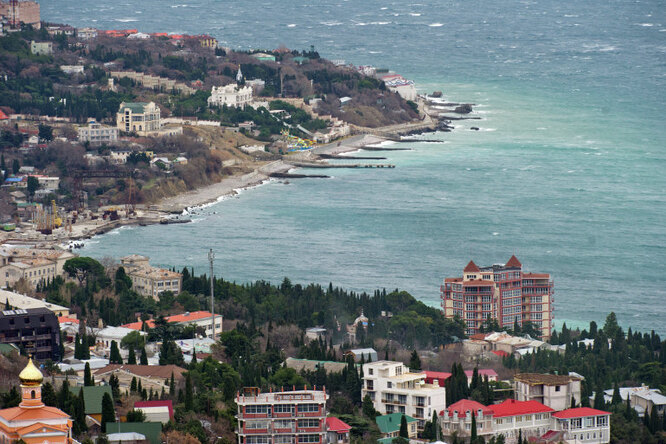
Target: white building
230,95
72,69
106,335
97,134
150,281
393,388
19,301
582,425
555,391
138,117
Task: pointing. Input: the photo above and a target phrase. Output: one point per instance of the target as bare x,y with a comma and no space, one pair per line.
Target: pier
351,165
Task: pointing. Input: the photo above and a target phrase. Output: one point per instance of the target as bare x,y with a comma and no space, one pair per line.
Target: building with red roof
502,292
582,424
440,377
201,319
337,431
530,417
457,418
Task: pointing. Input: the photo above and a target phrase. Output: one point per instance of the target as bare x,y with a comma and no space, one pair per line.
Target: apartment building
503,292
27,13
230,95
530,419
97,134
138,117
19,301
148,280
35,330
282,417
580,425
32,271
555,391
393,388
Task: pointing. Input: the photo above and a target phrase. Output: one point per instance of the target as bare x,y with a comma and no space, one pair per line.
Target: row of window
279,408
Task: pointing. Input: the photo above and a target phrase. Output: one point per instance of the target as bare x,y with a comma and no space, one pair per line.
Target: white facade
96,133
230,95
583,426
555,391
394,389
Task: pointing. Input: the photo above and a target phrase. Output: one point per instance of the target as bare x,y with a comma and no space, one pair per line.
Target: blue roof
13,179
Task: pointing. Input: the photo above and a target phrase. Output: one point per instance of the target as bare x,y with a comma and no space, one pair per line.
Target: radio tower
211,257
14,22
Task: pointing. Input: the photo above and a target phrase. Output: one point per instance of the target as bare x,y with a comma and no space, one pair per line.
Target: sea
567,170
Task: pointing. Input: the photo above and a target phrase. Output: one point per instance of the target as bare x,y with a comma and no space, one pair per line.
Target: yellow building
138,117
32,421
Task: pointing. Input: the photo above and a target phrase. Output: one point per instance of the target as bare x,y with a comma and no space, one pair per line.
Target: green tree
189,393
108,412
133,386
369,408
79,419
114,354
33,186
45,132
473,435
135,416
82,268
49,396
134,340
617,399
87,376
143,360
404,433
15,166
131,358
415,361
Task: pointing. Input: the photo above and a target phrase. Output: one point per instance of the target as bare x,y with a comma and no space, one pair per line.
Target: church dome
30,375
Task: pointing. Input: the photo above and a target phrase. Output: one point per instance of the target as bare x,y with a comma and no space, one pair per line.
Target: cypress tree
87,376
139,388
404,433
143,360
80,413
108,412
49,396
133,385
64,397
189,395
172,386
131,358
114,354
599,403
415,361
617,399
473,435
475,379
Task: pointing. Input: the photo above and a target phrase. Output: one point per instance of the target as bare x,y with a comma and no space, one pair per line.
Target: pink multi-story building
503,292
281,417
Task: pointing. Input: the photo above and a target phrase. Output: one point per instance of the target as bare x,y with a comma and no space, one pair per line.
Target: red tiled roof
165,403
511,407
138,324
501,353
452,279
193,316
334,424
471,267
579,413
30,414
439,376
63,319
513,262
3,116
465,405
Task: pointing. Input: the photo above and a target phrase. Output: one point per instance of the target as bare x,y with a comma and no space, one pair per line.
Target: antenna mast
211,258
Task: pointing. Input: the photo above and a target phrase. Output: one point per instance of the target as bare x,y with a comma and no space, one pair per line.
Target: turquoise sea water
567,172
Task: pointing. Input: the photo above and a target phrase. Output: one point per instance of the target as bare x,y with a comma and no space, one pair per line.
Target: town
104,128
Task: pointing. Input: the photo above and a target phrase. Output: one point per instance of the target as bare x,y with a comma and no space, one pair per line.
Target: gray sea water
567,171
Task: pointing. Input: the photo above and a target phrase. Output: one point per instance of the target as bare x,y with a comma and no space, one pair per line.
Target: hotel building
138,117
282,417
393,388
502,292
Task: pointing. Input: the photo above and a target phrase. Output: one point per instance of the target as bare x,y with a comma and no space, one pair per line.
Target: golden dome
30,375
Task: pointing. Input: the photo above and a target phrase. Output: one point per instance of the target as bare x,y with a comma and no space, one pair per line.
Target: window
589,422
308,423
370,385
389,385
282,439
401,409
257,440
558,388
308,438
602,421
283,408
283,423
254,425
371,371
402,399
255,409
305,408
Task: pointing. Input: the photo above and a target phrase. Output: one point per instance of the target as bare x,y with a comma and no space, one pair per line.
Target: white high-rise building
393,388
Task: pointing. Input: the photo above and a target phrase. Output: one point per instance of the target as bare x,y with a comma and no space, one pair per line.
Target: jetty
350,165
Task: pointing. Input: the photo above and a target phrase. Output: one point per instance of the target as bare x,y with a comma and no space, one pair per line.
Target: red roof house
440,377
466,405
513,262
579,412
511,407
471,268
